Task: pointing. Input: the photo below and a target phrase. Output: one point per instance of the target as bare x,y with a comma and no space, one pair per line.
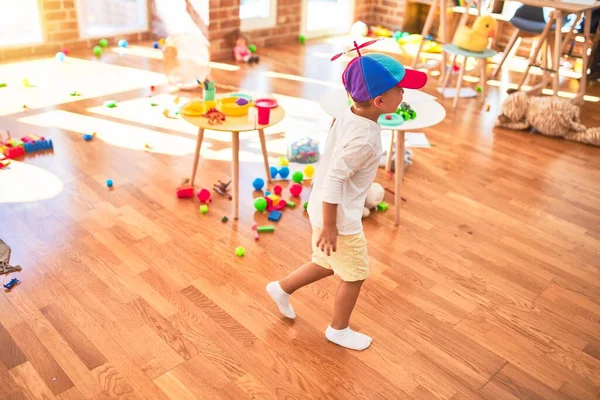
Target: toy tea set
233,105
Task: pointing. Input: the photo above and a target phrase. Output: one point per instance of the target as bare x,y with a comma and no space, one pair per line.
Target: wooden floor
490,287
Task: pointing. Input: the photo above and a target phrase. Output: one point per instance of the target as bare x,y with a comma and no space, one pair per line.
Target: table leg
388,164
425,31
585,57
199,140
263,145
399,173
235,148
557,52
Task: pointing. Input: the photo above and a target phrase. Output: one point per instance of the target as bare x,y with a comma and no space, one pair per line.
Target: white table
429,113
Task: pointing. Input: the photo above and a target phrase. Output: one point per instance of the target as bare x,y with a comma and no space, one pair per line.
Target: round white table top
429,111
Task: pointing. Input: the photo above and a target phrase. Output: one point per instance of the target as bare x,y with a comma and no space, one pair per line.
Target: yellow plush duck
475,39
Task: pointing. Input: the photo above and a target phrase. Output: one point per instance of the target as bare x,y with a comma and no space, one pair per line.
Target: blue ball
109,183
258,184
87,136
155,45
284,172
123,43
60,56
274,172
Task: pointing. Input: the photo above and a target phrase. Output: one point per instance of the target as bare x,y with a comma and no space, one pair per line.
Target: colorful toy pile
304,150
13,148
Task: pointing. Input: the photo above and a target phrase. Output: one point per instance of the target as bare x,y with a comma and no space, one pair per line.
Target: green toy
260,204
266,228
383,206
97,51
240,251
224,219
203,208
302,39
305,205
478,89
252,48
291,204
298,177
110,104
3,84
103,43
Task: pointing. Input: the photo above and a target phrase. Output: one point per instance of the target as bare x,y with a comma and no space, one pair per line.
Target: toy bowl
390,120
194,108
242,96
230,108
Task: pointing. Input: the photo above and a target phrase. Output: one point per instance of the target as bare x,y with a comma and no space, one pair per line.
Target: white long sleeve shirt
346,171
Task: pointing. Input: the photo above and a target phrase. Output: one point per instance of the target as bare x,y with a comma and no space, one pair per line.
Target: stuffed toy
374,197
475,39
549,116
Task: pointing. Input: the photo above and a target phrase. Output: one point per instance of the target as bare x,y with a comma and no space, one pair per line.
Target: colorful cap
371,75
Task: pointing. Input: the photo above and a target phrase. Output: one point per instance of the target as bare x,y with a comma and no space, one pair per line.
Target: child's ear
378,101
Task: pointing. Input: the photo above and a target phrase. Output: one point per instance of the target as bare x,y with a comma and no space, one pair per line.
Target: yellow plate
228,106
194,108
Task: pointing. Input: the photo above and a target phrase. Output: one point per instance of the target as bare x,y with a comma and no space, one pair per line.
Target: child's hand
328,239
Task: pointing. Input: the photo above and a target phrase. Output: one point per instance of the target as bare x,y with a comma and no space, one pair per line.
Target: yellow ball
309,171
161,42
283,161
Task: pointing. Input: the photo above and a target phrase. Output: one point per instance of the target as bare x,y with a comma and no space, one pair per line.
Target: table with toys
235,113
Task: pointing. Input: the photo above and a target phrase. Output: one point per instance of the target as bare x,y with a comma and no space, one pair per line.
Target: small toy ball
252,48
309,171
260,204
428,37
97,51
284,172
305,205
152,88
258,184
109,183
405,34
155,45
122,43
65,50
298,177
240,251
397,35
87,137
479,89
455,68
241,101
283,161
60,56
103,43
203,195
302,39
203,208
296,189
274,172
161,42
277,189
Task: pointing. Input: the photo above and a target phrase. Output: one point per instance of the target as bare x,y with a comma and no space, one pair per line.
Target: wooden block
10,354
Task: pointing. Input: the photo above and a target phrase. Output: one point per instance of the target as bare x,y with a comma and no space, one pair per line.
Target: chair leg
448,73
533,56
459,81
425,32
507,50
483,79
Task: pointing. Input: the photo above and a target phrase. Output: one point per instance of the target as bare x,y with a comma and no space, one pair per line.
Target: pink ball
296,189
203,195
277,189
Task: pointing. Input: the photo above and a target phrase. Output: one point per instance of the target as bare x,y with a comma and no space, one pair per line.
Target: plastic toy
14,152
231,106
298,177
406,111
203,195
221,188
65,50
5,267
274,171
277,189
214,116
27,83
359,28
296,189
123,43
259,183
60,56
240,251
284,172
478,89
382,32
397,35
275,199
161,42
75,93
266,228
305,205
110,103
252,48
155,45
255,230
3,84
243,52
185,191
109,183
224,219
11,284
103,43
290,204
283,161
4,162
383,206
275,215
203,208
260,204
309,171
97,51
33,143
388,117
475,39
267,193
209,90
302,39
304,151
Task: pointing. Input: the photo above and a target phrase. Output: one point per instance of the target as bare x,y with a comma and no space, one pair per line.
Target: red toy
296,189
204,195
14,152
277,190
185,191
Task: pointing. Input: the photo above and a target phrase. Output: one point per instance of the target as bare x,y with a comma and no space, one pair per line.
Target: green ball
240,251
252,48
97,51
479,89
302,39
260,204
298,177
103,43
305,205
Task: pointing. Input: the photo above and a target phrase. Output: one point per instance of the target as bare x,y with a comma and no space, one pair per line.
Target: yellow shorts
350,262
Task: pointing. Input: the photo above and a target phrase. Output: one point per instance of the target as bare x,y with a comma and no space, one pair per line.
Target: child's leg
339,332
281,291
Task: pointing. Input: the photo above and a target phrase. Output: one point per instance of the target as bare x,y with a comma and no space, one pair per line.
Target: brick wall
363,11
60,30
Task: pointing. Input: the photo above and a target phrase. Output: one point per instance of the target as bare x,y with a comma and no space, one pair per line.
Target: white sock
348,338
281,298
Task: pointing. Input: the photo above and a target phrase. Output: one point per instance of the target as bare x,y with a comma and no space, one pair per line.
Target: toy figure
241,52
